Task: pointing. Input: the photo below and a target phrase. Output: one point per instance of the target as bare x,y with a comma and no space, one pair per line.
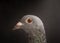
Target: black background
13,10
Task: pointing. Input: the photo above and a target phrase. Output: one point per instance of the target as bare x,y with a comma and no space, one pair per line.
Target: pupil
29,20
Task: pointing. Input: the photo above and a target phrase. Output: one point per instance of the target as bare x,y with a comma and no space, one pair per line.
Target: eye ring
29,20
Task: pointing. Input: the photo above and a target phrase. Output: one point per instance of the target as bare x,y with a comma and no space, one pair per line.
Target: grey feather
35,31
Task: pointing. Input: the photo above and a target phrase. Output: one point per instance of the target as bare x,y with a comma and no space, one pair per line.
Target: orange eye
28,20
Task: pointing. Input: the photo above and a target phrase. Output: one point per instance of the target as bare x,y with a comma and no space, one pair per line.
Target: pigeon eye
28,20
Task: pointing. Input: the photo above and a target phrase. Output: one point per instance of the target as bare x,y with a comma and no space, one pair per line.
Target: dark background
11,11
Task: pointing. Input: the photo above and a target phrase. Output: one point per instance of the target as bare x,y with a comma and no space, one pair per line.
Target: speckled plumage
35,31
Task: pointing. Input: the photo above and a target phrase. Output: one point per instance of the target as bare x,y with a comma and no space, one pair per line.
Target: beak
18,26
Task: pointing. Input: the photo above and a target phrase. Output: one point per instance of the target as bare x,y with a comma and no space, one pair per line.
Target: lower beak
18,26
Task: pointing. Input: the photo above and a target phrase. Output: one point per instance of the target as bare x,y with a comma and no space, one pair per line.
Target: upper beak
18,26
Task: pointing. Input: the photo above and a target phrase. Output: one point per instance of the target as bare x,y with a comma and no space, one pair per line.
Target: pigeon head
28,22
31,27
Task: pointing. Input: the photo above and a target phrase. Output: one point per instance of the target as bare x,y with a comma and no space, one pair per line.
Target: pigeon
32,28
